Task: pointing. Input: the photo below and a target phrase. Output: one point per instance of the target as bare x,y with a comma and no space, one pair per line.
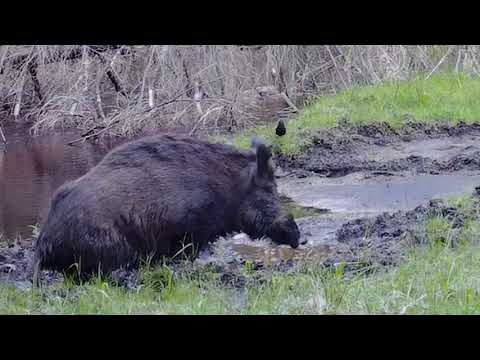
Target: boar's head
262,212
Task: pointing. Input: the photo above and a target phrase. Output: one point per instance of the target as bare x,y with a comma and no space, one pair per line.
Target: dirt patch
16,265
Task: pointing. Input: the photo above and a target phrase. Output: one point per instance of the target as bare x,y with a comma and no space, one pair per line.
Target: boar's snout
285,231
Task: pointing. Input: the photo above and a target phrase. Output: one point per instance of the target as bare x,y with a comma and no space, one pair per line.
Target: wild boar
152,196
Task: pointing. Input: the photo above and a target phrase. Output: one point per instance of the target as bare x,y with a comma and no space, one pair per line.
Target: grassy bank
436,278
443,97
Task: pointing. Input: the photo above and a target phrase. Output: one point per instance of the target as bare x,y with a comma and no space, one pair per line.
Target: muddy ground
360,195
382,150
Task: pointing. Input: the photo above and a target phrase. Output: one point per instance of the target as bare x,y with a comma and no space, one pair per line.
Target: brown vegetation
128,89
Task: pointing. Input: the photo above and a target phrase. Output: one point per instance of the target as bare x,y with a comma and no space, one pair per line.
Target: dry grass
128,89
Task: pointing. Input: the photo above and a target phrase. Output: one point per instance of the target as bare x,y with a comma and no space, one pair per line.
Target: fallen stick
289,102
94,134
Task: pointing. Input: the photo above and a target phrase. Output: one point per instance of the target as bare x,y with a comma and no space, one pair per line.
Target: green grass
433,279
446,96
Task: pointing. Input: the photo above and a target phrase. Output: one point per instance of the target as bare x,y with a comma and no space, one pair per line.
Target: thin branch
336,67
289,102
2,135
32,69
203,117
3,52
74,54
84,138
439,63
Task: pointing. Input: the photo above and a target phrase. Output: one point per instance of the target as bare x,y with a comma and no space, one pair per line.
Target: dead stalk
98,96
151,99
2,135
336,67
3,55
203,117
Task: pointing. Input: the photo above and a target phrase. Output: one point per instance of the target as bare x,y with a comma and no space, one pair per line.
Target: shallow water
340,200
378,194
32,168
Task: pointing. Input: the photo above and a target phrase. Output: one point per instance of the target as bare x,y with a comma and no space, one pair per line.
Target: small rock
241,236
477,190
7,268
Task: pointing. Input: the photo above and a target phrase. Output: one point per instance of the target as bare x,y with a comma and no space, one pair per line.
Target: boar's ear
264,163
264,169
256,142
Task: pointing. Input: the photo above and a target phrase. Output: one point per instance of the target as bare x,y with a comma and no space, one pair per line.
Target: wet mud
382,150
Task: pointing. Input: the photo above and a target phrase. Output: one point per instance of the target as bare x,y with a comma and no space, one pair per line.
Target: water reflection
32,168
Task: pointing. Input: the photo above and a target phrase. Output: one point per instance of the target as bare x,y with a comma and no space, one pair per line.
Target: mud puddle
364,175
365,195
340,202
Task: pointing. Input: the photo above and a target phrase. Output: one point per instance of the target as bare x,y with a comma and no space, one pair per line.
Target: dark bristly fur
147,197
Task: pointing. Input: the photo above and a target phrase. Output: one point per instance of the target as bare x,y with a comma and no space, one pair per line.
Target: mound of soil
381,240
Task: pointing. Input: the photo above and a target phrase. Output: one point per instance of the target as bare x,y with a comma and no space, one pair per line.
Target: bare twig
88,134
74,54
116,122
336,66
289,102
32,69
439,63
2,135
98,96
202,118
151,99
3,52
